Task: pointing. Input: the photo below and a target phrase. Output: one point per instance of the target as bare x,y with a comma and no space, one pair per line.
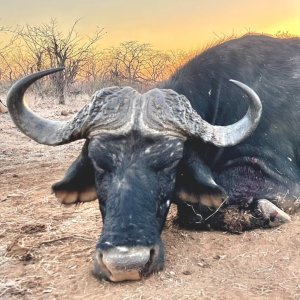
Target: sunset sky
166,24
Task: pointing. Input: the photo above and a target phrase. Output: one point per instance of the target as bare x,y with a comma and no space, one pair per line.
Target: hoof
272,213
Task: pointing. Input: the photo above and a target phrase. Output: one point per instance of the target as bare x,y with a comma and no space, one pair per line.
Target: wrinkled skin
135,179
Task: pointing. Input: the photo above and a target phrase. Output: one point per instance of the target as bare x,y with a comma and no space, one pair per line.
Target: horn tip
234,81
239,84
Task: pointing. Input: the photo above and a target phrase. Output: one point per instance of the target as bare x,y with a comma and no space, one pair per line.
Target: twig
216,210
63,239
197,214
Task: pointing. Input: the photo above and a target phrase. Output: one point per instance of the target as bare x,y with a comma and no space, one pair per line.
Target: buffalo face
135,179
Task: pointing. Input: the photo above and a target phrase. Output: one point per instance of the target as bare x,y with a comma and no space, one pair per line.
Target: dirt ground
46,249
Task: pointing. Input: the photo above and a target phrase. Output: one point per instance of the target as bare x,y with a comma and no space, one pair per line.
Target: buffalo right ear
195,184
78,185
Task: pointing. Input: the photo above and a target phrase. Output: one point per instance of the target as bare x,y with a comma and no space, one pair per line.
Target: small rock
219,257
26,257
3,198
203,264
187,273
64,113
3,108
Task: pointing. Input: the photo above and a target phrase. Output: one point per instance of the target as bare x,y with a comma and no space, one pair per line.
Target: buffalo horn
230,135
41,130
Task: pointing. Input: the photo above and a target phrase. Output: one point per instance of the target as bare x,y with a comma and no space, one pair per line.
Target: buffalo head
134,144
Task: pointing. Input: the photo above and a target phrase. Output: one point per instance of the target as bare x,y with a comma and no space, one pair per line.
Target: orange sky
166,24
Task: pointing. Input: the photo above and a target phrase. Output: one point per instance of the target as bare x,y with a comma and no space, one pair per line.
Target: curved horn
110,110
41,130
168,112
230,135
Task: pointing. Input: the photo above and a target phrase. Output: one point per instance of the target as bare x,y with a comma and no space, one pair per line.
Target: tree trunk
61,93
60,87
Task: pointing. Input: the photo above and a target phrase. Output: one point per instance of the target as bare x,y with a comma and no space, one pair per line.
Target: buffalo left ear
78,185
195,184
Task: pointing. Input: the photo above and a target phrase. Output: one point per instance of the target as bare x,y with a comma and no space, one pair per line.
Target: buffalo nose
124,263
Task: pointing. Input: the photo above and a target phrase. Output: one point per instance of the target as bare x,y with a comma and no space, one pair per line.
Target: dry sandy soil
46,249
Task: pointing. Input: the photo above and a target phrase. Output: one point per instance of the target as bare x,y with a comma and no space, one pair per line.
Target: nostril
125,263
99,256
152,254
100,270
148,267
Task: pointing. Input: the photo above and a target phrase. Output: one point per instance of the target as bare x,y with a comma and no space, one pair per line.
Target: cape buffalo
193,141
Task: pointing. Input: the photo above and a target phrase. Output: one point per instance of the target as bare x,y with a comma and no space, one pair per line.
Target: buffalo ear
78,185
196,185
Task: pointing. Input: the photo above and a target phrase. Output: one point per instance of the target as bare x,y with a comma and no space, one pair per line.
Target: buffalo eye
103,164
164,161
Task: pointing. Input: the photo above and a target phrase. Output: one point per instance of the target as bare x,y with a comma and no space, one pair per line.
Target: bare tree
97,71
50,47
137,63
156,67
178,58
86,66
5,48
128,61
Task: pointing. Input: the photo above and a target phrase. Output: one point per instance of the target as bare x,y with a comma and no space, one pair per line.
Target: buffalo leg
78,185
271,212
261,214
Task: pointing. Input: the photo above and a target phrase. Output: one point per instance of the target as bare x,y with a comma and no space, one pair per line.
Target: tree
177,58
50,47
129,61
134,63
97,71
5,48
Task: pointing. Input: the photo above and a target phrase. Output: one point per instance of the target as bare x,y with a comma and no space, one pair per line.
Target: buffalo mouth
123,263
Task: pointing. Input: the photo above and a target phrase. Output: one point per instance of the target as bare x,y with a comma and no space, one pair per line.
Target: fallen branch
76,237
